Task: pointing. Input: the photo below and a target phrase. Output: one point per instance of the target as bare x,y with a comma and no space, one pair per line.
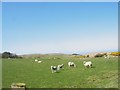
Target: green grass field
104,73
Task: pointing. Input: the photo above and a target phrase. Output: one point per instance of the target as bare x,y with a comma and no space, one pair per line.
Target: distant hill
44,55
52,55
32,55
96,53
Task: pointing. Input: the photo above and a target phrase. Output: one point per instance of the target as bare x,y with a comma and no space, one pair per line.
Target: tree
6,55
9,55
75,54
87,55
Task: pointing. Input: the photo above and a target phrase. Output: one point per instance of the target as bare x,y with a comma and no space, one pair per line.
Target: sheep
39,61
107,56
60,66
71,64
87,64
54,69
36,60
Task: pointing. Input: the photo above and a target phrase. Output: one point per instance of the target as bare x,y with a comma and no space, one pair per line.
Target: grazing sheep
36,60
39,61
87,64
60,66
107,56
54,69
71,64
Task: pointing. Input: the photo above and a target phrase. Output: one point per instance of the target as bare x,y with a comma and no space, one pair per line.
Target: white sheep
36,60
71,64
107,56
39,61
54,69
87,64
60,66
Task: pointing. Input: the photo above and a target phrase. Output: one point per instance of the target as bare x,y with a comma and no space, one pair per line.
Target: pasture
103,74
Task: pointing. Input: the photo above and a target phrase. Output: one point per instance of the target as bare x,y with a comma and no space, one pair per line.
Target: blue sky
59,27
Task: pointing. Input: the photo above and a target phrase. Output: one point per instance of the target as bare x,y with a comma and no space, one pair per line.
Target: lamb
60,66
36,60
71,64
107,56
39,61
54,69
87,64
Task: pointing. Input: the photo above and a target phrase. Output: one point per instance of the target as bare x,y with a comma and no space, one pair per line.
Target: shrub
87,56
75,54
115,53
99,55
9,55
79,56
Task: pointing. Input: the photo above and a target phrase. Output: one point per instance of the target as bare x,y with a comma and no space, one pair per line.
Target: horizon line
81,53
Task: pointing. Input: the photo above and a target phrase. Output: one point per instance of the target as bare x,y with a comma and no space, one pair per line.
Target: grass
104,73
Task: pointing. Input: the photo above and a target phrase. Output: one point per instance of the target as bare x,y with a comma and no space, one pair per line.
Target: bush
75,54
9,55
87,56
115,53
79,56
99,55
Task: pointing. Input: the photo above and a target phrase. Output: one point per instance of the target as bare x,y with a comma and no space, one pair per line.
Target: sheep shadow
57,72
60,71
90,68
93,67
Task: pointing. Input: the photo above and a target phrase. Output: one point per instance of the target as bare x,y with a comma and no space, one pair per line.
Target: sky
59,27
60,0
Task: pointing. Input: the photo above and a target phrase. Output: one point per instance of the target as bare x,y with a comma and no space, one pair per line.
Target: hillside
44,55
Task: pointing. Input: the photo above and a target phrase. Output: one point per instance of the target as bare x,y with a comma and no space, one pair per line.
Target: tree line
9,55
